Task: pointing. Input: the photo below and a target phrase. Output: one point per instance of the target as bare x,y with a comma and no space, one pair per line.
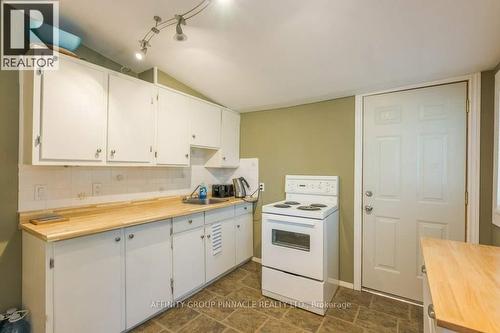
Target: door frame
473,162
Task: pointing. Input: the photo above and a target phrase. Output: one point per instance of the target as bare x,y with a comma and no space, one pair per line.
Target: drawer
219,214
243,209
183,223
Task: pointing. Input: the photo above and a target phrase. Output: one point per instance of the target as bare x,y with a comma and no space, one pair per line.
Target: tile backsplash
76,186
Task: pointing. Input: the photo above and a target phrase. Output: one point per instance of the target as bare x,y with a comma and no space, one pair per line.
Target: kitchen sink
210,201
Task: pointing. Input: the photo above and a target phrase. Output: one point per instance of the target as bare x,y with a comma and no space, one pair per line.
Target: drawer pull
431,312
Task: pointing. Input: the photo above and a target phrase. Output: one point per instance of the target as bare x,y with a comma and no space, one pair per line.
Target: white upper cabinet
228,156
172,138
205,124
72,113
131,120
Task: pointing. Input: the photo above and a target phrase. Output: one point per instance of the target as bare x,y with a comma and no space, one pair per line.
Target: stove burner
293,203
318,205
282,206
308,208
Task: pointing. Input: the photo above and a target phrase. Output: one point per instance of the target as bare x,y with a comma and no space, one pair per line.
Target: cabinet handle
190,221
431,312
194,136
423,269
202,236
131,236
187,155
117,239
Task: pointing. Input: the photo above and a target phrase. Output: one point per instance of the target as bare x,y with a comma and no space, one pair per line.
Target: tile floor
235,304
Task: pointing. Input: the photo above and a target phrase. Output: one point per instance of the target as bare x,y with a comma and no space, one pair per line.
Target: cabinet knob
187,155
423,269
113,152
194,136
190,221
431,312
202,236
238,226
209,236
245,208
117,239
99,150
224,158
131,236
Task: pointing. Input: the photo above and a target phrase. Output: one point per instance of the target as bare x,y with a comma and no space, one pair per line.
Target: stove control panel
319,185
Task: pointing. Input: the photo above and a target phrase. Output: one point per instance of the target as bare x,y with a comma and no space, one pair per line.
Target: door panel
205,124
244,237
73,113
220,252
131,120
230,140
414,167
172,143
188,261
148,262
88,286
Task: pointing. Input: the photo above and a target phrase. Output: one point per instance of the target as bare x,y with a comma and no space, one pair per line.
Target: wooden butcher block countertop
464,281
98,218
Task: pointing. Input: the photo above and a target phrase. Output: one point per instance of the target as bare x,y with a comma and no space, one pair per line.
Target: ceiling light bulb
139,56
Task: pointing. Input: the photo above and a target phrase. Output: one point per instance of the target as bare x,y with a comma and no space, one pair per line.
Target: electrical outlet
262,187
96,189
40,192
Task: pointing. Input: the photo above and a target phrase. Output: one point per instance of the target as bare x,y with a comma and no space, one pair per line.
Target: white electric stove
300,243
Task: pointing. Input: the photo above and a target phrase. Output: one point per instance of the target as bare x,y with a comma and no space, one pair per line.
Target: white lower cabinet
244,234
219,248
148,270
188,261
112,281
88,284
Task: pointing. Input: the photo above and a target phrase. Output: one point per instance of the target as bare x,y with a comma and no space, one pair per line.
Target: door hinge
466,198
468,106
51,263
150,149
38,72
171,230
157,98
38,140
172,285
156,154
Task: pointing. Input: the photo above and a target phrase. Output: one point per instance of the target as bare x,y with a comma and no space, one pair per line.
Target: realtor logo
30,35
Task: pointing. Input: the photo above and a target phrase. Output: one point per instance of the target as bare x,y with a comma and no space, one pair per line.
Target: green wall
311,139
10,237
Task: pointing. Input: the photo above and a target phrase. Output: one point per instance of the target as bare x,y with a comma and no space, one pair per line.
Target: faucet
192,193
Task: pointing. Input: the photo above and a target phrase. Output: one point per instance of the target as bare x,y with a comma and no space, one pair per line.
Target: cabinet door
205,124
220,248
188,261
148,262
131,120
73,113
88,284
172,139
244,237
230,139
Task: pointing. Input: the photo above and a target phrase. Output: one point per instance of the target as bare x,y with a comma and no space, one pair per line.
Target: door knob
368,209
369,193
431,312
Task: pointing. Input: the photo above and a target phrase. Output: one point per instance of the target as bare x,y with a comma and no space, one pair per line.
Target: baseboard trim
259,260
346,284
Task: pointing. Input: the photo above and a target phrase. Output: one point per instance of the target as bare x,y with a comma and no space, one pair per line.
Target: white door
73,112
244,237
414,172
230,138
293,244
148,262
188,261
205,124
172,140
88,284
131,120
219,248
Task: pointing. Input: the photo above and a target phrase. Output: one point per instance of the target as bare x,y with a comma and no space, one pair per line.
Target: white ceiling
258,54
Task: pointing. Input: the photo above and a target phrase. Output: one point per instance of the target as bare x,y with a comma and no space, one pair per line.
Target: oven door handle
292,220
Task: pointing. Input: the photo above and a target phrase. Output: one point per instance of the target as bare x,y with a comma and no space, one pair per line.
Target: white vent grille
216,238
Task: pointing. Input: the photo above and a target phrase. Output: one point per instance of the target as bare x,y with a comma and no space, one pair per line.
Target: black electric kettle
239,187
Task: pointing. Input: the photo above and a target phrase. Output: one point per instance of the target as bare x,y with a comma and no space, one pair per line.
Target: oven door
293,244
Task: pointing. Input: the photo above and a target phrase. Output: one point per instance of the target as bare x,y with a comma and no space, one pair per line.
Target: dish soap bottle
203,191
